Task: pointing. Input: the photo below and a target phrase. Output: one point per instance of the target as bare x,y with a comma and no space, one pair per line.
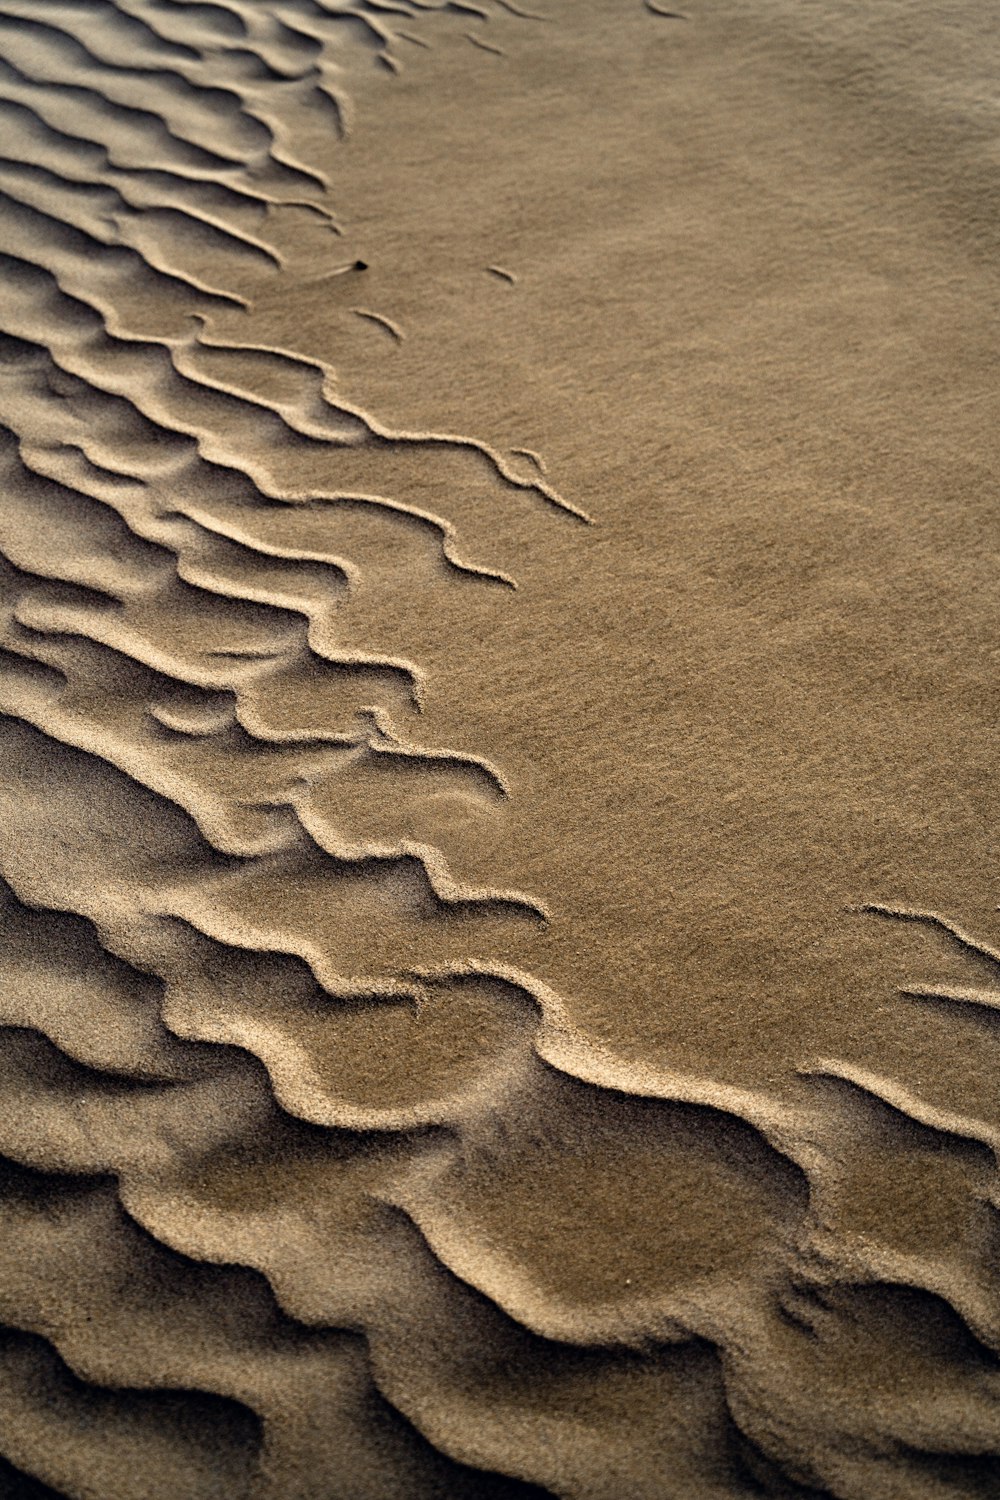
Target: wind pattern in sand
270,1076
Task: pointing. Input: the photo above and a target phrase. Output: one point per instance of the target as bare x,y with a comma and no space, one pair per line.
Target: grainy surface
498,605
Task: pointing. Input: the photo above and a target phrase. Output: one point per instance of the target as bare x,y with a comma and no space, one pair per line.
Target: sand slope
500,967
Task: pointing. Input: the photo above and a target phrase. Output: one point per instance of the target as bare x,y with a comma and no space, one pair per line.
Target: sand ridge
372,1123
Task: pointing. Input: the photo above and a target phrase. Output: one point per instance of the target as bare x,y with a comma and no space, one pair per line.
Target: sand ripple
298,1160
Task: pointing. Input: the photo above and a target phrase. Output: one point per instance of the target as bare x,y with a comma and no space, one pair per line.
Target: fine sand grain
498,604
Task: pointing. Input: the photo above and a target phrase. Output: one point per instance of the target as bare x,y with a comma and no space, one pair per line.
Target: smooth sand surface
498,607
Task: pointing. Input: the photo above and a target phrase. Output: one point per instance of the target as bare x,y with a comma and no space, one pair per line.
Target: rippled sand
498,611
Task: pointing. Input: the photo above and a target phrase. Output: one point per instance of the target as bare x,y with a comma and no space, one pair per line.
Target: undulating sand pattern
500,969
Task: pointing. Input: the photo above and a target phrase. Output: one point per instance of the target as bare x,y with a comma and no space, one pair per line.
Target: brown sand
498,881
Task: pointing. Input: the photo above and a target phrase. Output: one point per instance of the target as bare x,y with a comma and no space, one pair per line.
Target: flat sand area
498,657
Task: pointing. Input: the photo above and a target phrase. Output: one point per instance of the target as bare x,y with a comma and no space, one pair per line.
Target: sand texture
498,634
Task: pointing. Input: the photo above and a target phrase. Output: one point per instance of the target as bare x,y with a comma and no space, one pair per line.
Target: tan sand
497,640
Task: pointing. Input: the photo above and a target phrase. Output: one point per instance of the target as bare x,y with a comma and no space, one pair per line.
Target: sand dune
500,959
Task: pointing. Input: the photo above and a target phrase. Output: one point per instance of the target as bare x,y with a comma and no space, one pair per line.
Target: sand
497,649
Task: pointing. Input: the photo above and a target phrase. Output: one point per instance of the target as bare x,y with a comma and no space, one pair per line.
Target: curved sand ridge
313,1183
